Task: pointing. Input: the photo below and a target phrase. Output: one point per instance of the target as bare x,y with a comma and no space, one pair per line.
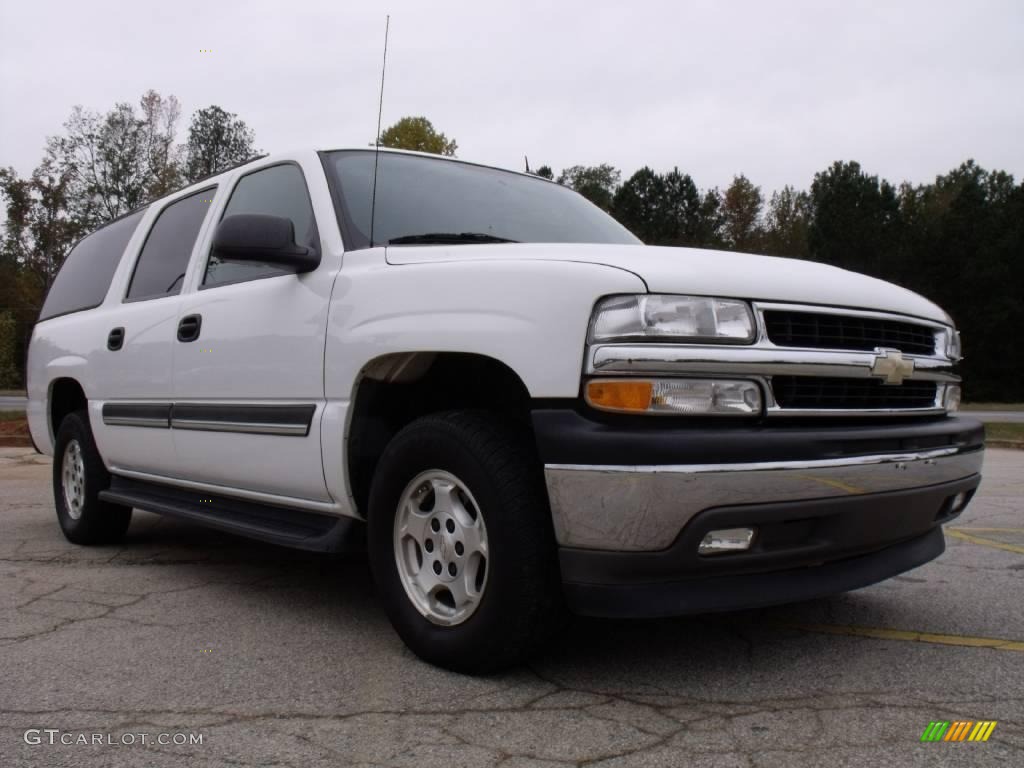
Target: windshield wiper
448,238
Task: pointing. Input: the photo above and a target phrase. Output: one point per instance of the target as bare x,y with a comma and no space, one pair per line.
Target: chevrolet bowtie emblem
890,365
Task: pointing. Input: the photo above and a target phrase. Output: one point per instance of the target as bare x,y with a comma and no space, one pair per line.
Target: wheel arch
66,395
393,390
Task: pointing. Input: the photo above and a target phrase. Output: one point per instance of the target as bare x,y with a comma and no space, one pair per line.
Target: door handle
115,340
188,328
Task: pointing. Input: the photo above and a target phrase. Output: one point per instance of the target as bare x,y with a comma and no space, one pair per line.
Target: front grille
819,330
827,394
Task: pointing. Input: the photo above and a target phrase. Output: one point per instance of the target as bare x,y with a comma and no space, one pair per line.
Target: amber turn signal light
620,395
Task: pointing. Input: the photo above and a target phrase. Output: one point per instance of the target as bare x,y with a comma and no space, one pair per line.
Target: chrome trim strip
775,412
154,415
643,508
761,466
824,309
330,508
134,421
751,361
256,428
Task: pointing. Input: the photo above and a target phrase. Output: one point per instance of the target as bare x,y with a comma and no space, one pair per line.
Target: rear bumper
833,508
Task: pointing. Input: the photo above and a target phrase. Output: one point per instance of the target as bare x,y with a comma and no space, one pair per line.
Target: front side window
160,270
276,191
423,201
84,279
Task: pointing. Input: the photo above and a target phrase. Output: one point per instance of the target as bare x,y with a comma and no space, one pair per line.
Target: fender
531,316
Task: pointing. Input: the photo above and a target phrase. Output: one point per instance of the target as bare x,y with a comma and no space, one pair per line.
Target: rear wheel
78,477
461,542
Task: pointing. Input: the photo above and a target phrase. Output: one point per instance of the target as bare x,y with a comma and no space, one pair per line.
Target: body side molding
154,415
293,420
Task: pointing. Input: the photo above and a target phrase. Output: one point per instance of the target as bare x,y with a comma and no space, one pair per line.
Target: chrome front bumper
644,508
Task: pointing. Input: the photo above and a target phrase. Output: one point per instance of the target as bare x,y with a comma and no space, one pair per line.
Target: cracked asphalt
279,658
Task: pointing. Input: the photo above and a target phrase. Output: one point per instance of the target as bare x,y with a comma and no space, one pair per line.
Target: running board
294,528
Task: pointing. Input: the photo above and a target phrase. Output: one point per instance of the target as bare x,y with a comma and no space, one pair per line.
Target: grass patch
992,407
12,415
1013,433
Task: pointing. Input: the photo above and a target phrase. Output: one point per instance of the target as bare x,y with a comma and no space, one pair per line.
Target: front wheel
461,543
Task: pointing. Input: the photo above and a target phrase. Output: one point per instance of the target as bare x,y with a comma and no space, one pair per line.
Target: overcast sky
776,90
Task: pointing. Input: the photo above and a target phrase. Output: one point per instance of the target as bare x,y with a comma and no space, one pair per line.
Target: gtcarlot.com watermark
37,736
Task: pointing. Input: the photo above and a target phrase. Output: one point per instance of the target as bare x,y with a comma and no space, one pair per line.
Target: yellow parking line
989,530
880,633
852,489
958,534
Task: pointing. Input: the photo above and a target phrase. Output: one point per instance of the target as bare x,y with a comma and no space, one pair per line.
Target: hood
704,272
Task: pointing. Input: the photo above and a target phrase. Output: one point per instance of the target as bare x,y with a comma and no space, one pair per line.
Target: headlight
684,318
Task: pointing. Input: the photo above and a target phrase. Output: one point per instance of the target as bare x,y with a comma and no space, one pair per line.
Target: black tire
97,522
521,604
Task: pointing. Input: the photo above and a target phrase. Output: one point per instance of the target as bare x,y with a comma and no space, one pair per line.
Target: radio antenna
380,109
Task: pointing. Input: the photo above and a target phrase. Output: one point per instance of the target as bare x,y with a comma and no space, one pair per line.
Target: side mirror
268,239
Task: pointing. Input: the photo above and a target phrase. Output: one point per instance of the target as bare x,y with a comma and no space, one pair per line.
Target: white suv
501,392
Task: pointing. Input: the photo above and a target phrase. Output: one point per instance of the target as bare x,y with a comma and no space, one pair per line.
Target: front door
249,385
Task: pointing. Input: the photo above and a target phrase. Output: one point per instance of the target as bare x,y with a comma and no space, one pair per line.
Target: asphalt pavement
277,658
1016,417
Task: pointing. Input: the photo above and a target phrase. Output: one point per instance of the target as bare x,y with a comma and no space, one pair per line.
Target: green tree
683,214
669,209
159,125
39,231
10,375
854,219
115,162
786,223
963,247
545,172
709,220
40,226
597,183
640,206
216,140
17,195
418,134
741,215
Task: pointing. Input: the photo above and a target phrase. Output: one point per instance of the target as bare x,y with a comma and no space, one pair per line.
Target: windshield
423,200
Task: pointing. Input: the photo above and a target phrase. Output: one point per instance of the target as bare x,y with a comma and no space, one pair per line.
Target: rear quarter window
84,278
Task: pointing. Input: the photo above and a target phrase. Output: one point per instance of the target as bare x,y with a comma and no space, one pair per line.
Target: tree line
958,240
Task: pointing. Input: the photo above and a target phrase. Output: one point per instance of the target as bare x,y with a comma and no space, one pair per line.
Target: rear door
71,337
133,377
248,388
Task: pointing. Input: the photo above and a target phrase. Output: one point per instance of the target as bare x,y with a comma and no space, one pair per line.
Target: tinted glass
276,191
161,267
423,196
84,280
